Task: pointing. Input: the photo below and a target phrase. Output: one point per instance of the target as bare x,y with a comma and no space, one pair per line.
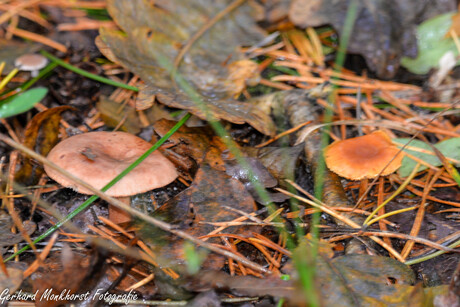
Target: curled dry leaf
154,36
41,134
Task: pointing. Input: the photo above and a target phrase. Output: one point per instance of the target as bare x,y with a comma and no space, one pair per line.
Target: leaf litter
219,73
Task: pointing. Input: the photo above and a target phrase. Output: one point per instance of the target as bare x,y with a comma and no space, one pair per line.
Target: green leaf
22,102
432,44
449,148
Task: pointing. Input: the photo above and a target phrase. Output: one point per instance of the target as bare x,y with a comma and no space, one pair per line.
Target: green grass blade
22,102
87,74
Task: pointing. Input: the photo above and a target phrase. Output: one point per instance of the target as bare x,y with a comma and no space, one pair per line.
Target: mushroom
363,157
98,157
31,62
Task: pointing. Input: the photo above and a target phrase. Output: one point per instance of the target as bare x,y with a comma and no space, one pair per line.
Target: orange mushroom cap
363,157
98,157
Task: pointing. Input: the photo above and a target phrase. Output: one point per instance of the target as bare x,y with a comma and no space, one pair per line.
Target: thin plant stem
8,78
431,256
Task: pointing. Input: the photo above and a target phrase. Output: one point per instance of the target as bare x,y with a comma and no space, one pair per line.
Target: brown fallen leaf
41,134
72,274
213,66
201,202
196,143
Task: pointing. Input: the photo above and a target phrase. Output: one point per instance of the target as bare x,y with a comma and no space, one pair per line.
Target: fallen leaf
11,282
201,202
280,161
41,134
213,66
196,143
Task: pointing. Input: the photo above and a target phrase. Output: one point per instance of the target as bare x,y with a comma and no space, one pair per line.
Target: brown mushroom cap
98,157
363,157
30,62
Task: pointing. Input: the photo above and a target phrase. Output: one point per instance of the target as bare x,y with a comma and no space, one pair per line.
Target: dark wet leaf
198,145
213,65
280,161
261,174
201,202
41,134
22,102
384,30
449,148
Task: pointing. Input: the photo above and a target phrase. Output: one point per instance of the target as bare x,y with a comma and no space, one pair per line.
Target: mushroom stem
120,216
363,186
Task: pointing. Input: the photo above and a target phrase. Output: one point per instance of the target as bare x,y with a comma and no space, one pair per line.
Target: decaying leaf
261,175
362,280
199,145
384,30
213,65
41,134
203,201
